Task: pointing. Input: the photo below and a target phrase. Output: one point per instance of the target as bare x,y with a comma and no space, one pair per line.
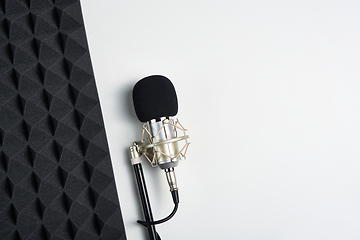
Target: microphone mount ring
160,142
177,139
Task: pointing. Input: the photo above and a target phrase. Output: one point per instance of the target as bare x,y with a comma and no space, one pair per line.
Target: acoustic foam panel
56,177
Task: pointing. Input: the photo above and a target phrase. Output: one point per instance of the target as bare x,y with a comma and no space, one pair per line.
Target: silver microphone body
166,151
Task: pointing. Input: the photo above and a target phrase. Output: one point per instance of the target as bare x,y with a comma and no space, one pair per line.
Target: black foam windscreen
154,97
56,177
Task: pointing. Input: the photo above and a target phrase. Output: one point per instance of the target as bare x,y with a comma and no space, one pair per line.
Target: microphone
156,104
164,140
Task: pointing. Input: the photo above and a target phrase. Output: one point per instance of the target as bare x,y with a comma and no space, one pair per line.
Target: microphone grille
154,97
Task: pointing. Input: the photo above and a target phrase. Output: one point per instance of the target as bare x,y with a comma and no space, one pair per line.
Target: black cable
145,223
175,196
149,223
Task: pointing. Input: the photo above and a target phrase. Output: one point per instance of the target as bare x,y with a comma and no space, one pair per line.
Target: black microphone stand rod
144,197
145,202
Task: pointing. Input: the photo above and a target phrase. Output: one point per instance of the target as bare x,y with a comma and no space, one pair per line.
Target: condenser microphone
156,104
164,140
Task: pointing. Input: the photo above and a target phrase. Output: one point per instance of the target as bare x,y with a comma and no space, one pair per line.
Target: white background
270,93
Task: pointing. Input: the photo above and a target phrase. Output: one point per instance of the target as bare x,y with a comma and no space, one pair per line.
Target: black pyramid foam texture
56,177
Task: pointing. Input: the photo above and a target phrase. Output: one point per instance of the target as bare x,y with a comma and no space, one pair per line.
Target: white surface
269,91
